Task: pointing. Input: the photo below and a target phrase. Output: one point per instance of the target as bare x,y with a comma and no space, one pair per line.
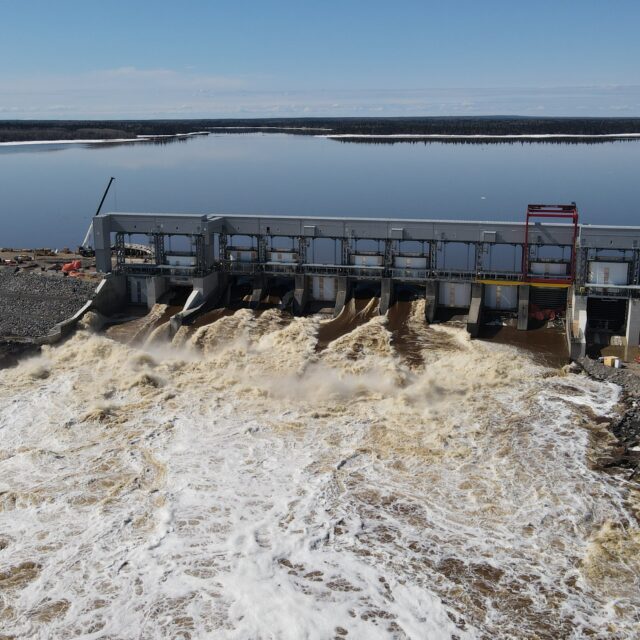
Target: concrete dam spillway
544,266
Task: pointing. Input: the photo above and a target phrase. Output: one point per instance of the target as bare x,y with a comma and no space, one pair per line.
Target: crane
85,249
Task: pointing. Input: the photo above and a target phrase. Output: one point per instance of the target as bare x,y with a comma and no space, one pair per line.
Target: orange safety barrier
74,265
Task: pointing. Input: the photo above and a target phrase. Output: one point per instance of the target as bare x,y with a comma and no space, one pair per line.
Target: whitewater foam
238,482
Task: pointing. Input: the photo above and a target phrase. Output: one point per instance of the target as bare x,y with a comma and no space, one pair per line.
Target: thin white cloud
121,79
130,92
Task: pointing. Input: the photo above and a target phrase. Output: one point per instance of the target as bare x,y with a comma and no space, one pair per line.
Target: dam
546,265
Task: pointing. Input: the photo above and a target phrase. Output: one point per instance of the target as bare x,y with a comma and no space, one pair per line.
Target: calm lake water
48,193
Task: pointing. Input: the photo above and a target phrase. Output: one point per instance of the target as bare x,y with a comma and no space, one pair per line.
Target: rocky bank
31,304
626,428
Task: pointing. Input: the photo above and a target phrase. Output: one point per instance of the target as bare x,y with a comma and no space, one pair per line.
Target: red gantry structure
560,212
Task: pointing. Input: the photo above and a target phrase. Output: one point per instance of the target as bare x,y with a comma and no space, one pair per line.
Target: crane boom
104,195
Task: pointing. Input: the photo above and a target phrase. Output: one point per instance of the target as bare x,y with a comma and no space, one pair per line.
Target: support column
300,294
523,307
262,249
156,287
431,297
386,295
577,325
633,326
343,289
259,289
475,309
208,252
158,248
102,243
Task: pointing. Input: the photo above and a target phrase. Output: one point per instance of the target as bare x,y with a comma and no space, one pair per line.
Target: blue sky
110,59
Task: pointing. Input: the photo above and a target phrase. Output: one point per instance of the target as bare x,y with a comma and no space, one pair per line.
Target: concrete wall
111,295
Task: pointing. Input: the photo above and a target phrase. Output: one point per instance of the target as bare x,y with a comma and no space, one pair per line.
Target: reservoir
49,192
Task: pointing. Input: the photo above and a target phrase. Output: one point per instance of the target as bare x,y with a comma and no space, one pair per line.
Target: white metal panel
404,262
498,296
287,257
366,261
609,272
548,268
181,261
323,288
454,294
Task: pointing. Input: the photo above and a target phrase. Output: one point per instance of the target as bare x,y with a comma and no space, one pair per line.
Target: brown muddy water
263,476
546,344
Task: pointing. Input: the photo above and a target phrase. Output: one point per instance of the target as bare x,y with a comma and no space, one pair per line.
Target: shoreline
399,137
347,137
138,138
453,128
625,427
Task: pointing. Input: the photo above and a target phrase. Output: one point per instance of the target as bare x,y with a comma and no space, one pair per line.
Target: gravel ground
32,303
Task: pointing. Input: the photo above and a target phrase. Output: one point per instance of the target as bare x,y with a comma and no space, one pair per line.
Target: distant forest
26,130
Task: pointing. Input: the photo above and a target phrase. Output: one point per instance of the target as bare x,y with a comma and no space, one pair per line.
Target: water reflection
48,198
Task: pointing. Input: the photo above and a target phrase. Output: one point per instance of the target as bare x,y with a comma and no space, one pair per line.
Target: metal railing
362,272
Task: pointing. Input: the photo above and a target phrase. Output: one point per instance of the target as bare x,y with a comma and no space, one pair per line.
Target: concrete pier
431,298
523,307
259,291
386,295
343,291
475,310
156,287
300,294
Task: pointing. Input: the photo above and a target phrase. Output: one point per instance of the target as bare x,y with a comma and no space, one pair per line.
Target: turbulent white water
241,483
